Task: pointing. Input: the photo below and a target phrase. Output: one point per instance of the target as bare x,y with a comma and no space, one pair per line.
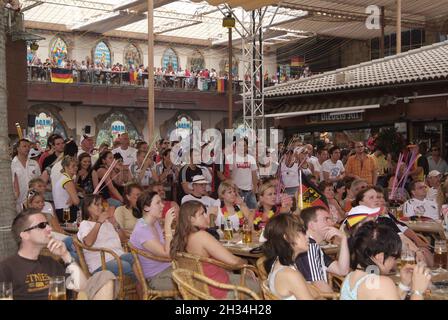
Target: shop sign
334,117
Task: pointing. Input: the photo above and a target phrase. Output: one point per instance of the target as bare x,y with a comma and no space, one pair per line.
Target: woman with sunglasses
35,200
97,231
376,248
285,240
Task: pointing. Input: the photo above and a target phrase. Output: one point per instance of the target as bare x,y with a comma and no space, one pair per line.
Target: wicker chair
261,270
148,293
126,285
190,285
267,293
194,263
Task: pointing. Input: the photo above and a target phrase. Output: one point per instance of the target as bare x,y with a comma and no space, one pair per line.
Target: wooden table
427,227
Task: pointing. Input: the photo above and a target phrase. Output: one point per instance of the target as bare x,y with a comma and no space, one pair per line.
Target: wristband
404,287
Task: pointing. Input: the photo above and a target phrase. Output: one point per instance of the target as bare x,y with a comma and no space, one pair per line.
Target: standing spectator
56,144
144,173
128,153
187,173
23,170
333,168
435,191
243,171
322,156
421,167
168,173
314,263
362,166
436,162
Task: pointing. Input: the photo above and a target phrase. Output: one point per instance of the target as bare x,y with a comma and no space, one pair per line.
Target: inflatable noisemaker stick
105,176
19,131
149,151
394,184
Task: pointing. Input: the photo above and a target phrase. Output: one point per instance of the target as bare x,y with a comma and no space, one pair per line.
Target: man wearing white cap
199,186
434,182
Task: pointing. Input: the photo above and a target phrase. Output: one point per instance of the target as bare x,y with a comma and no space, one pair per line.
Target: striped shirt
313,264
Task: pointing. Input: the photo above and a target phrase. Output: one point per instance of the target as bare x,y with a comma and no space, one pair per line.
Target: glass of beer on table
228,230
5,290
440,256
56,289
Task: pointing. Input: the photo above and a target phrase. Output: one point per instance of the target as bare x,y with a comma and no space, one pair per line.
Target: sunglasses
41,225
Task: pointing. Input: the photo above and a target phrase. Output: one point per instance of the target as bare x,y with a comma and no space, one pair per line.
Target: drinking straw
105,176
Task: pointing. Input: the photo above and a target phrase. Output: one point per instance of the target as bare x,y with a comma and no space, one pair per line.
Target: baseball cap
34,153
433,173
359,213
199,179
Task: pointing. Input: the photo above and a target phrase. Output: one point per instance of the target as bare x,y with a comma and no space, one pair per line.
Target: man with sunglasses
28,271
436,162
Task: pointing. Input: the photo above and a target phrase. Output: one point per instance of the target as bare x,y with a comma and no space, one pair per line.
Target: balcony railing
125,78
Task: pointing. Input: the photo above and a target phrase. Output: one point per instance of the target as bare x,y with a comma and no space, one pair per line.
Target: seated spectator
433,181
419,205
285,240
191,236
232,206
314,264
268,205
337,213
355,186
125,215
379,244
198,193
167,204
96,231
149,236
144,173
108,191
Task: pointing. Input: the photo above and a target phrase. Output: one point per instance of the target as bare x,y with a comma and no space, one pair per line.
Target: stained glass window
196,62
170,60
45,125
102,54
116,124
132,56
59,51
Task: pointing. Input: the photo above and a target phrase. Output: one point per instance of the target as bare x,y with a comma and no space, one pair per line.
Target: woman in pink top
190,236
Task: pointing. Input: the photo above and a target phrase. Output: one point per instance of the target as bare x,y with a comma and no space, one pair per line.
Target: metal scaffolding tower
252,52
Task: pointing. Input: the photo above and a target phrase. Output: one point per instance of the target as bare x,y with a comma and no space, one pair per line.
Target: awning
350,105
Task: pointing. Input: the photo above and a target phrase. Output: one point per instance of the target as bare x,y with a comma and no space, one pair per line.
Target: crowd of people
144,196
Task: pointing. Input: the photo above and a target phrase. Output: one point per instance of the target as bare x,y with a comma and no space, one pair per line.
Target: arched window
170,61
116,124
45,125
132,56
224,67
59,51
102,54
196,62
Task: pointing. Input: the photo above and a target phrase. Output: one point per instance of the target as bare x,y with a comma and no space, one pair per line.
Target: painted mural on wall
196,62
132,56
102,54
59,51
45,125
170,60
116,124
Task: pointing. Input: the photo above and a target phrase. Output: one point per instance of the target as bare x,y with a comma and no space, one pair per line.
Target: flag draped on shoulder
59,75
311,196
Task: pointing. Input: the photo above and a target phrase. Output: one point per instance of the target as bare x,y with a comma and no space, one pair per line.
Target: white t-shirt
242,171
234,219
56,173
24,176
317,167
129,155
107,238
334,169
60,195
290,176
432,194
427,207
135,171
205,200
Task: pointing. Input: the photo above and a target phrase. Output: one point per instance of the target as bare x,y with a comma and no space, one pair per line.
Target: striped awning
289,110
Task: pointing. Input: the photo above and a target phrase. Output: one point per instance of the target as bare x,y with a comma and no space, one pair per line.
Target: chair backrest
319,295
80,247
147,292
267,293
260,266
190,282
190,262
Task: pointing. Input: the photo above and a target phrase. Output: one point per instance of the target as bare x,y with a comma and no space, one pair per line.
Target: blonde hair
264,187
224,187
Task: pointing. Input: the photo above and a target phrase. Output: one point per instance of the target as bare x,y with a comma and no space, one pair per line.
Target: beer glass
440,255
247,234
407,257
56,289
66,215
5,291
228,230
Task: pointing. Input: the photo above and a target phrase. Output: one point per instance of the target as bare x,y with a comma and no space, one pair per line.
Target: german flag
311,196
59,75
